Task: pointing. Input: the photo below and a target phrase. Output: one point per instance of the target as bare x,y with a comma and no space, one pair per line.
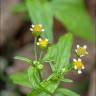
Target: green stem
41,53
77,55
40,75
35,48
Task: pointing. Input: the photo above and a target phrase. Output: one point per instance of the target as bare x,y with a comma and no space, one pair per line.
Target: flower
78,65
37,29
43,43
81,51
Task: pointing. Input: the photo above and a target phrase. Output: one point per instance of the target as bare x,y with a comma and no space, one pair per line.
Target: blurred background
16,39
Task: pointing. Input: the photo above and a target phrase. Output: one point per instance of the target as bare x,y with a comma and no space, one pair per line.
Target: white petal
86,52
83,67
46,39
78,46
79,71
74,60
33,26
42,30
76,51
37,43
31,29
40,39
75,67
79,59
81,55
40,25
84,46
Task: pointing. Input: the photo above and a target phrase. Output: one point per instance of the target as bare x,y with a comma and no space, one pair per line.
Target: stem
77,55
35,48
40,75
41,53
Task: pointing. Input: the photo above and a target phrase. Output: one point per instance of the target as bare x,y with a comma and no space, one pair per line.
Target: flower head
43,43
78,65
81,51
37,29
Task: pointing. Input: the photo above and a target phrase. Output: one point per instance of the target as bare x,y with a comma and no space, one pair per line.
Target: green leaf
66,80
60,52
21,78
73,14
33,77
46,88
40,13
38,93
65,92
29,61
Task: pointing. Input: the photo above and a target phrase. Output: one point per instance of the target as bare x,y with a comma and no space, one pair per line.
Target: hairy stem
40,75
41,53
35,48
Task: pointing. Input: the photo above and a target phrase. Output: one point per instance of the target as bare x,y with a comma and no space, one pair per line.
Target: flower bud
40,66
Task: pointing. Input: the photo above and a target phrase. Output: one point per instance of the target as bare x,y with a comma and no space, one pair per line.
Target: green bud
63,70
40,66
36,62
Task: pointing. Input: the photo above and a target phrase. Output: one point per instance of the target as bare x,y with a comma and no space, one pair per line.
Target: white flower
81,51
43,43
37,28
78,65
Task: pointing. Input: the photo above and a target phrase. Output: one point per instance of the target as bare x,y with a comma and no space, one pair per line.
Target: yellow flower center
81,51
78,64
37,28
43,42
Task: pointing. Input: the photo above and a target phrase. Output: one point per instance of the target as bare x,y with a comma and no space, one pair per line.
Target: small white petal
40,39
81,55
75,67
83,67
31,29
79,59
76,51
42,30
84,46
33,26
79,71
74,60
46,39
37,43
40,25
78,46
